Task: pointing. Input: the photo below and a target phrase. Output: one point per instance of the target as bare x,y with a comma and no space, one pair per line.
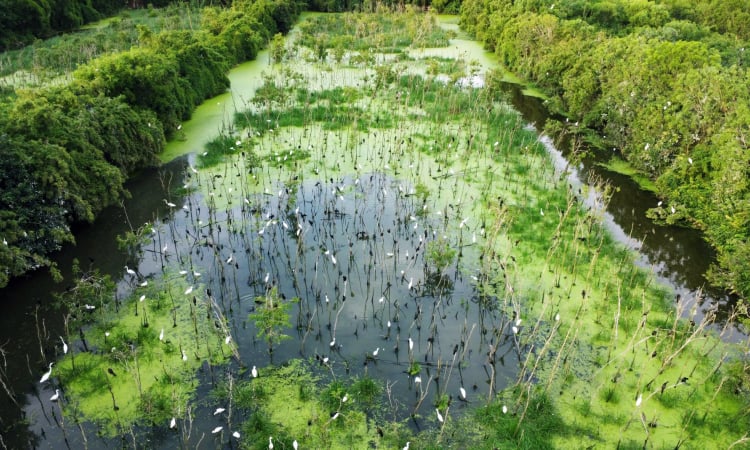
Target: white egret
463,392
55,396
143,284
161,334
254,372
219,411
184,355
129,271
505,409
411,344
217,429
65,346
170,204
335,416
345,398
406,447
172,423
236,434
143,297
515,329
46,376
439,416
295,444
639,400
270,442
227,340
188,290
417,380
230,259
557,317
375,353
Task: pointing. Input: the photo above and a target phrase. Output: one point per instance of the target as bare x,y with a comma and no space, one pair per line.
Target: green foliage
278,48
509,430
66,151
366,390
662,82
440,255
24,20
90,288
383,32
64,159
271,317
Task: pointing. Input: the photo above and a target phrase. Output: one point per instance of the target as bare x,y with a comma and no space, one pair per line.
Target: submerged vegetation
663,83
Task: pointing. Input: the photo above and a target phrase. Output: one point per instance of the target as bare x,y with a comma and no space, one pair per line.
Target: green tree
271,317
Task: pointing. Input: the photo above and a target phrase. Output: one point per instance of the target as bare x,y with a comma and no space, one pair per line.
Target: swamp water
401,211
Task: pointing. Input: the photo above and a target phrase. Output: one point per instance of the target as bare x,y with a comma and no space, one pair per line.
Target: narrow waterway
678,256
31,323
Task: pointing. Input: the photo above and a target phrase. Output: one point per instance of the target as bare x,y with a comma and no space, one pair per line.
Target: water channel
396,306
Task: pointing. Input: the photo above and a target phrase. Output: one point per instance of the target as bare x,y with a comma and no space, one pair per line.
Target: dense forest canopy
662,82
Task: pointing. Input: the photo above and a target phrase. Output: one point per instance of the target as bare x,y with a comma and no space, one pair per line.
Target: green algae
132,376
621,166
289,403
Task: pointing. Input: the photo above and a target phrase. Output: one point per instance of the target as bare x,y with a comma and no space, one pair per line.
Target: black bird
111,372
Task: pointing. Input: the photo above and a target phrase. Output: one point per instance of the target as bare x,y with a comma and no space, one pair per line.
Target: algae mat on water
142,356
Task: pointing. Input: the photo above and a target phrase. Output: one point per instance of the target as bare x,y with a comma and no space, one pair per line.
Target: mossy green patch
287,403
142,359
621,166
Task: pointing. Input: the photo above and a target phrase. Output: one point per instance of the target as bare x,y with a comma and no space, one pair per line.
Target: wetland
365,244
